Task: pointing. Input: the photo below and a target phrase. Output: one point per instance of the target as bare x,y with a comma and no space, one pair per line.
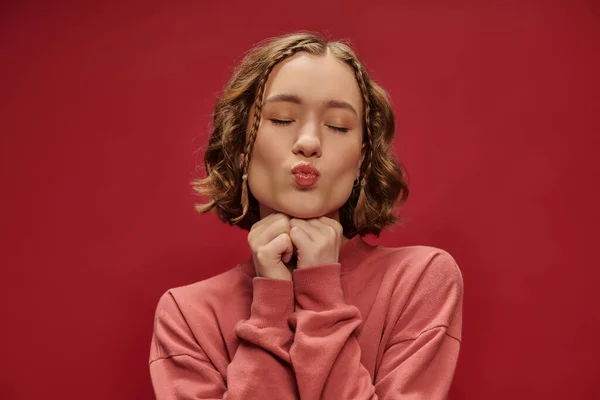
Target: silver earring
359,182
245,177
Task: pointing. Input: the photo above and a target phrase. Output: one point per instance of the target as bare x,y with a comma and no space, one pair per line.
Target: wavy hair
371,205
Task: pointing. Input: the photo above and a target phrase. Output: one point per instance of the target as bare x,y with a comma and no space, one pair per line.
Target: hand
271,246
317,241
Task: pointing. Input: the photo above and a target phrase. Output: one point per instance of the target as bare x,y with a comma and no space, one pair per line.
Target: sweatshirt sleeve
180,368
420,356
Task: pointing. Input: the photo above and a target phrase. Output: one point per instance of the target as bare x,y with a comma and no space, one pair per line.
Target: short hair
371,205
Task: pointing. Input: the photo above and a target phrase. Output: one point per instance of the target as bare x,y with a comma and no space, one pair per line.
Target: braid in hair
258,103
362,202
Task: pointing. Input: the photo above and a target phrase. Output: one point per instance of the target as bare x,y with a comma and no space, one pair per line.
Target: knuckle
283,224
281,217
261,254
288,240
331,233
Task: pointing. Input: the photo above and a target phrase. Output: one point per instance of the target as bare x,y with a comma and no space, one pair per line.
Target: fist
271,246
317,241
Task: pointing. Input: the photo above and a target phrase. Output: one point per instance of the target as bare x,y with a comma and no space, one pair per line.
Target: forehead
315,79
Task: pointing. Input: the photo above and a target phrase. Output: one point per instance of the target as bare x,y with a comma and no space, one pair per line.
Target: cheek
346,160
269,149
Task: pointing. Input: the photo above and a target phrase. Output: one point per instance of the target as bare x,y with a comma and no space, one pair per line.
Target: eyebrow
292,98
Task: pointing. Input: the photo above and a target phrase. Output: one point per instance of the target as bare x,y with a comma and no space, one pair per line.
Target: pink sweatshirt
383,323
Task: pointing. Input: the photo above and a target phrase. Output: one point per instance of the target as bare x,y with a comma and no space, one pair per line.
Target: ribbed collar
352,253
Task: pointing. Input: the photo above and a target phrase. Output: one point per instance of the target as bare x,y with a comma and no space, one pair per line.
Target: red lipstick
306,174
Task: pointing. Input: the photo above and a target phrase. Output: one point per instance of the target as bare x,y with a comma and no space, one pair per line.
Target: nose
308,142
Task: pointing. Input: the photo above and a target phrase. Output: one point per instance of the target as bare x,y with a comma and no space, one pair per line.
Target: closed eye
338,129
286,122
281,122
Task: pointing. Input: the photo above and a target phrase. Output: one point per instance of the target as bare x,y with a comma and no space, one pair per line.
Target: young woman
300,155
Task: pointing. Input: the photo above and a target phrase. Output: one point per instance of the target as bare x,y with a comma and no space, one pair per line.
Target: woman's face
308,148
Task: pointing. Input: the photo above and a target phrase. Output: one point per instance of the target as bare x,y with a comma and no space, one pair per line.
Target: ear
363,152
241,159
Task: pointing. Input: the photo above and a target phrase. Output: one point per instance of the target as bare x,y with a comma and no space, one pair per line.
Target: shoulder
424,276
419,262
427,287
207,293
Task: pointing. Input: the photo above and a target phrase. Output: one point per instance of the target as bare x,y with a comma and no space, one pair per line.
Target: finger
270,230
327,229
339,229
289,249
323,228
281,247
262,224
300,238
313,232
276,228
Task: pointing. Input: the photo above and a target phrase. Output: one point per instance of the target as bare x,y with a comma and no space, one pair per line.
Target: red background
104,105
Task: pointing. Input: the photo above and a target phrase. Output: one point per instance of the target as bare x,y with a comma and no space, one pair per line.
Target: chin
302,207
305,211
303,214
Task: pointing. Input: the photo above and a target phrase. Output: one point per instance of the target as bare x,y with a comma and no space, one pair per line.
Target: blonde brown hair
371,205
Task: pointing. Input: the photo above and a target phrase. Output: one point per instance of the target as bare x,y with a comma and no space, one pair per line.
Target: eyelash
338,129
282,122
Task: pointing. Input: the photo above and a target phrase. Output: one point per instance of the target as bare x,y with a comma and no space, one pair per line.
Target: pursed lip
305,168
